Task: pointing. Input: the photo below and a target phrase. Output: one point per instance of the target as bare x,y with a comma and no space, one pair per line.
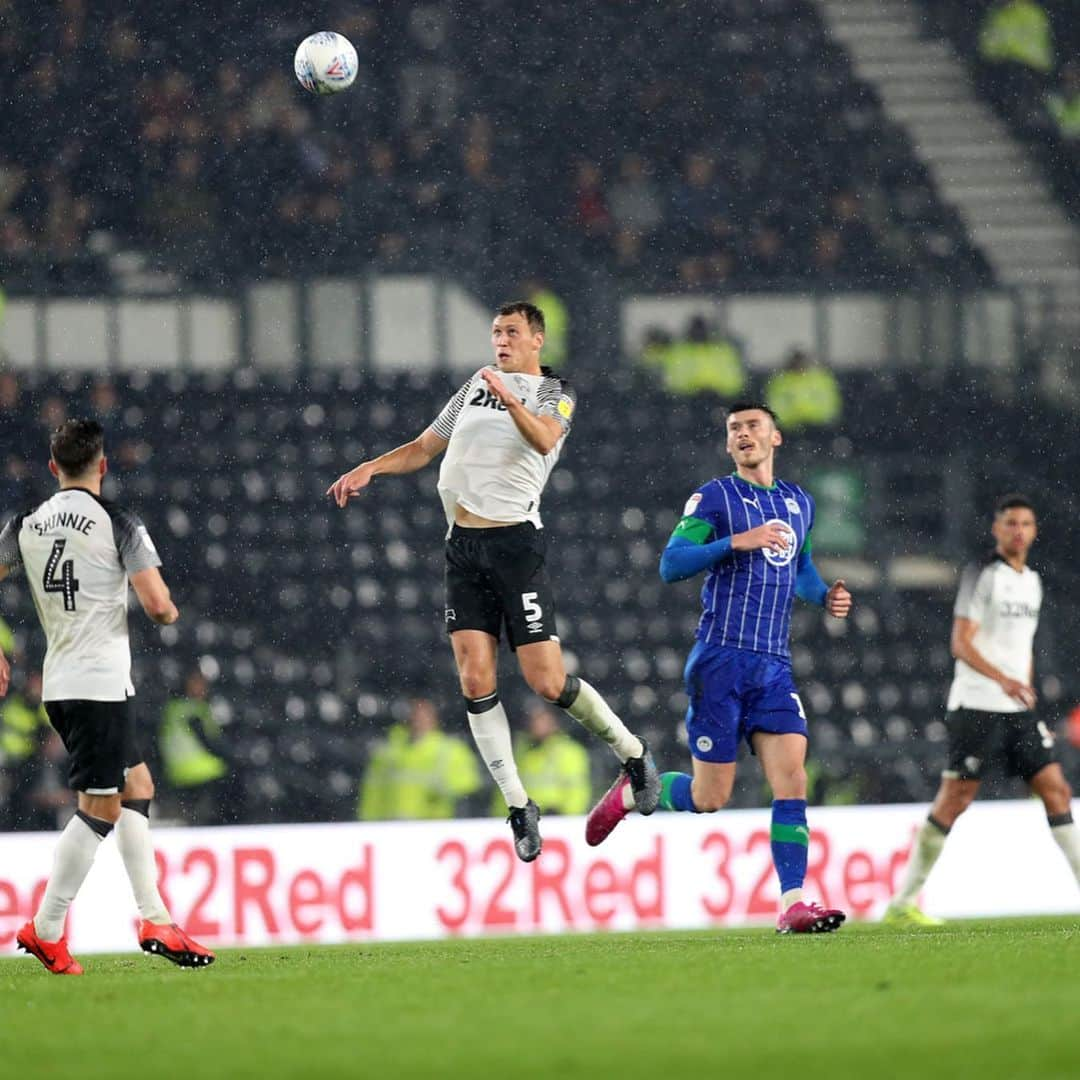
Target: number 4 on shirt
66,583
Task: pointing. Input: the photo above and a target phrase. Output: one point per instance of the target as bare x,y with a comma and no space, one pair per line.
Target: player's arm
963,648
694,545
542,433
810,586
154,596
407,458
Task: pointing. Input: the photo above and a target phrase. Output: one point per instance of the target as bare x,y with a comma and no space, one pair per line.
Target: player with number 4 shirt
79,552
502,433
750,533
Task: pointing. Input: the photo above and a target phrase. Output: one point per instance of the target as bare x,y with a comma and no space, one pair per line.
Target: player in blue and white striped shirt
750,533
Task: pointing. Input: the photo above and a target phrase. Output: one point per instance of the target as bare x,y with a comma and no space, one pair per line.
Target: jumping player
502,433
750,533
991,717
79,552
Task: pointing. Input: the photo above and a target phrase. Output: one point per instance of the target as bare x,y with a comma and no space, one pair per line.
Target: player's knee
103,807
1057,796
141,787
476,684
952,806
709,804
707,800
548,684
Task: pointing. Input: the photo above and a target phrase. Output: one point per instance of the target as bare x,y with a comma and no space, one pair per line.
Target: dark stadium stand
772,165
1024,96
312,623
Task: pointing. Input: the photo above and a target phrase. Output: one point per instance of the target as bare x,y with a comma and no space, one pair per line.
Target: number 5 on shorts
798,705
533,611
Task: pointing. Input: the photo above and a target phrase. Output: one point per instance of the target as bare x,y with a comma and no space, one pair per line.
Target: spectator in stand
554,766
429,84
700,207
591,216
700,362
1017,40
1063,104
194,758
23,722
556,320
804,395
417,771
636,205
767,257
1018,32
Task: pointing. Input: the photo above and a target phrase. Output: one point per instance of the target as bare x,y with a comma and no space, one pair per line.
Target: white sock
594,714
792,896
137,851
1067,837
491,733
74,855
925,850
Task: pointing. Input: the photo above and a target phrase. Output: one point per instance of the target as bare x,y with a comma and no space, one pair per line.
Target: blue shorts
733,693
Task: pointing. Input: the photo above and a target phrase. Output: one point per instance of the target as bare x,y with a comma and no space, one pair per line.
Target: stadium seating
1023,96
577,156
315,624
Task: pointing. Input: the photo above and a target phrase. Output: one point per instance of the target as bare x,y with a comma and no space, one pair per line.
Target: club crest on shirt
792,505
691,504
782,558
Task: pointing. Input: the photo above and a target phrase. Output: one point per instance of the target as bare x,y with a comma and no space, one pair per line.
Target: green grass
979,999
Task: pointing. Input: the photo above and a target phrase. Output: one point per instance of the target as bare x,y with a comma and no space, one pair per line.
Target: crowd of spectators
721,141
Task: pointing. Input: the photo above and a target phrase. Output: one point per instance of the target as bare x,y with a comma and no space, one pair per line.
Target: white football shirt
488,468
1005,603
77,551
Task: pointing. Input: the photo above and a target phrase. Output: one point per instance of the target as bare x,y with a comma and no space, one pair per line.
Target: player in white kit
991,714
502,433
79,552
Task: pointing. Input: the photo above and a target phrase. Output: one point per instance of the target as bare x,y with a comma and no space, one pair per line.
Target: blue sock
790,840
675,792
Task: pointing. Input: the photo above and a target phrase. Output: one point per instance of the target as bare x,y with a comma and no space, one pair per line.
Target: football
325,63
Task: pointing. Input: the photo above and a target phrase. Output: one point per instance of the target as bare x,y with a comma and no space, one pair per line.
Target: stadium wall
419,323
322,884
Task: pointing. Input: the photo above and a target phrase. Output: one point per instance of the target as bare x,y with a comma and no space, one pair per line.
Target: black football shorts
100,739
1019,742
496,577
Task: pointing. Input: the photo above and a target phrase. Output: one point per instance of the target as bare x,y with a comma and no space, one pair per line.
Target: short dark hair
532,313
1013,501
75,445
746,406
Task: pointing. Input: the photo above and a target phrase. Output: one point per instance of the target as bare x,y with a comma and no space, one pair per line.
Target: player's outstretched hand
497,387
5,675
1020,692
838,600
772,537
349,484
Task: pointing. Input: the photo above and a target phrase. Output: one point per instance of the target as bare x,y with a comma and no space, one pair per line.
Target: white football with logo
325,63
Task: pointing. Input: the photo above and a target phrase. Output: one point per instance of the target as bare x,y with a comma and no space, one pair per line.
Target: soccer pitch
987,999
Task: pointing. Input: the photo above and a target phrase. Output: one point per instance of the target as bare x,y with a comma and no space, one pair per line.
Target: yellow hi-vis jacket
185,759
555,773
410,779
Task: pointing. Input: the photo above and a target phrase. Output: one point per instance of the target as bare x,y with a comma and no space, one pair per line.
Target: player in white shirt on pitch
991,714
502,433
79,552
